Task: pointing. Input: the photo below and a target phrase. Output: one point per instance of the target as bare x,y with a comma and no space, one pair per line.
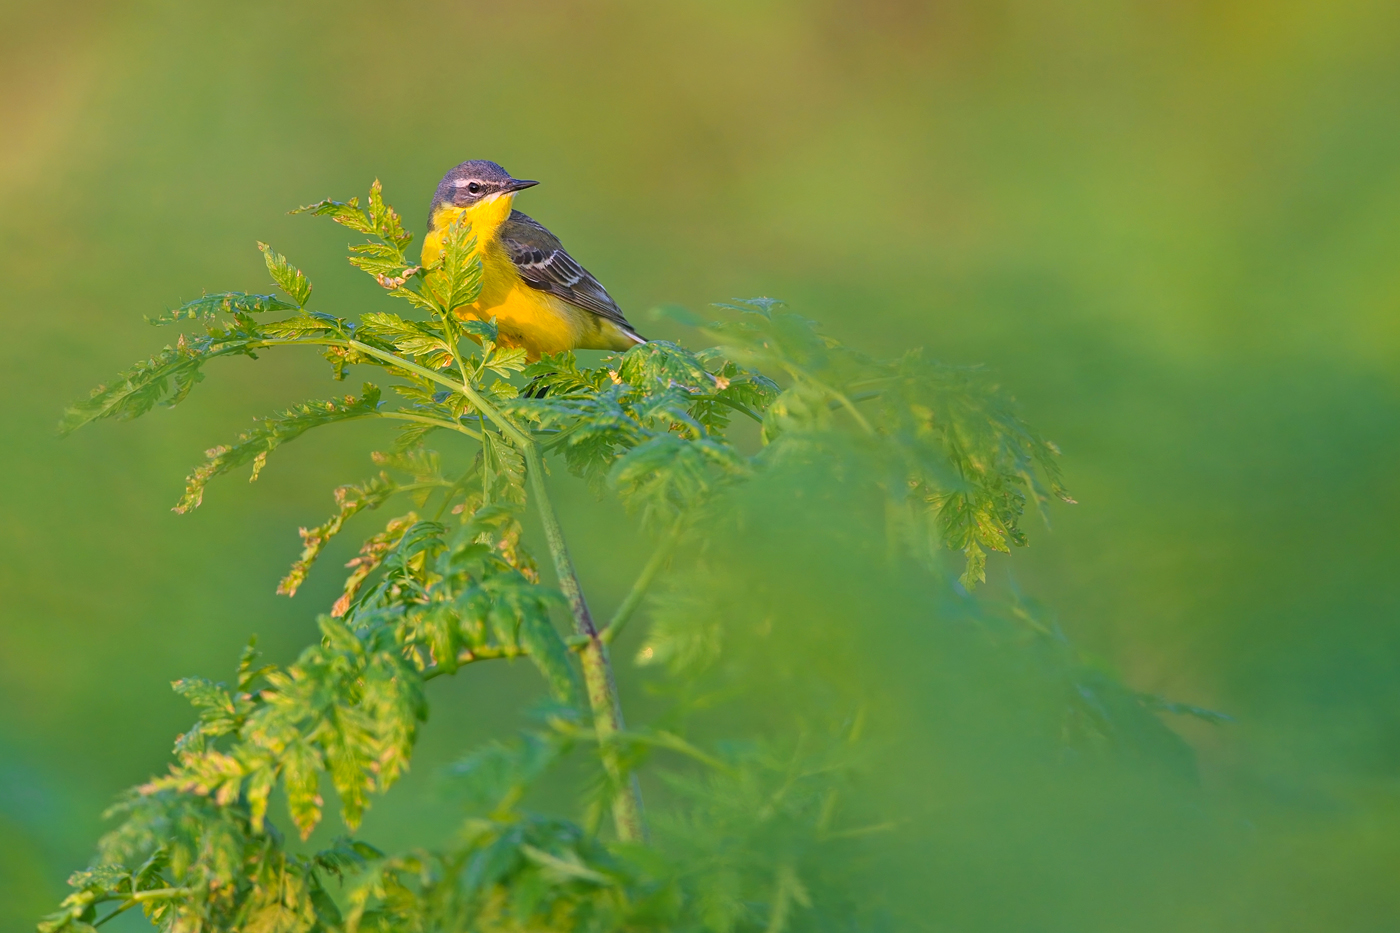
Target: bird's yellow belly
526,317
531,319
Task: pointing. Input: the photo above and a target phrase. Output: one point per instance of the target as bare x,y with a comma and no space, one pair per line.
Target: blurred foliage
1168,227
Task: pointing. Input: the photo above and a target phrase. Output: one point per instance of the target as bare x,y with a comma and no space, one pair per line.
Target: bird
540,297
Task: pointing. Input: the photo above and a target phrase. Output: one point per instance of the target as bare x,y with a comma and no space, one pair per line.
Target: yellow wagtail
541,298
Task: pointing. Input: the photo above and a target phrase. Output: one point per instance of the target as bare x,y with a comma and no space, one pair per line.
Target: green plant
903,461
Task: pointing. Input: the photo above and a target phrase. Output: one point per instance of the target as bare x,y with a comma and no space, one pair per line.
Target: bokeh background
1169,227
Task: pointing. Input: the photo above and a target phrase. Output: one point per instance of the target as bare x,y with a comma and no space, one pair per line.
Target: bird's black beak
519,184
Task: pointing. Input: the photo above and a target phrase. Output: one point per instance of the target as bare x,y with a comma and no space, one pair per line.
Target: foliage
753,835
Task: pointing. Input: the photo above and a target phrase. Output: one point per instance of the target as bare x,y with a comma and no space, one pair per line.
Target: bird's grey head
473,182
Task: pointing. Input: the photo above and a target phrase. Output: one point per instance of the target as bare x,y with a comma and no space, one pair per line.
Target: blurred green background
1171,229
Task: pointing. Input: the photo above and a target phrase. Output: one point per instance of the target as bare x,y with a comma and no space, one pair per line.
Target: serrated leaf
546,649
658,365
217,712
377,258
372,554
350,500
165,379
421,341
269,434
289,278
505,360
417,299
484,331
455,280
668,475
302,325
301,776
386,221
346,213
205,306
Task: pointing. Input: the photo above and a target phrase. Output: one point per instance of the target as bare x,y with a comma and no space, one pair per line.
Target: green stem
140,896
468,655
839,396
452,490
675,743
597,668
350,344
424,419
643,583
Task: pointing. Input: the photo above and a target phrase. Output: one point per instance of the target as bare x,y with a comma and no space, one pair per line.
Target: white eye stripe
462,182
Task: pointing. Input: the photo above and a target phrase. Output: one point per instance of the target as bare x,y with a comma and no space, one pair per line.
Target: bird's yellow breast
485,218
526,317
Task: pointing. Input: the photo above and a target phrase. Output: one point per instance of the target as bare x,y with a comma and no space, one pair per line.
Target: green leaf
484,331
345,213
393,703
658,365
289,278
558,374
385,220
218,714
455,280
505,360
377,258
417,299
206,307
420,341
269,434
247,673
668,475
304,325
547,650
506,468
569,868
350,500
165,379
301,776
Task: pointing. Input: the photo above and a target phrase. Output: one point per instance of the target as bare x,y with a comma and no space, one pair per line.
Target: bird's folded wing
540,259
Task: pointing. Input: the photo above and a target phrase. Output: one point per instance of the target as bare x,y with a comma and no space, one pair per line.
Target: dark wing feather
540,259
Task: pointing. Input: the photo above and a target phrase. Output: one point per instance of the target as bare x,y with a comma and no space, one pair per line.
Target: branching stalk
136,898
597,668
468,655
643,583
425,419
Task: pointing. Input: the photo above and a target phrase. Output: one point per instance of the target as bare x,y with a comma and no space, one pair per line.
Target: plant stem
424,419
468,655
134,899
840,397
642,584
597,668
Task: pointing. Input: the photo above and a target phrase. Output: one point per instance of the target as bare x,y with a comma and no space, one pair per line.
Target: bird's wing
540,259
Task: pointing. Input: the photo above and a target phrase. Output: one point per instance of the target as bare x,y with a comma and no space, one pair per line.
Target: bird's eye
474,188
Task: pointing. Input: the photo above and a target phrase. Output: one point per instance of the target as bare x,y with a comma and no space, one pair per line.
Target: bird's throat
485,218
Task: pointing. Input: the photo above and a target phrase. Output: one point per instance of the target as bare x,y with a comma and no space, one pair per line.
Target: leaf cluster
959,464
202,867
649,424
